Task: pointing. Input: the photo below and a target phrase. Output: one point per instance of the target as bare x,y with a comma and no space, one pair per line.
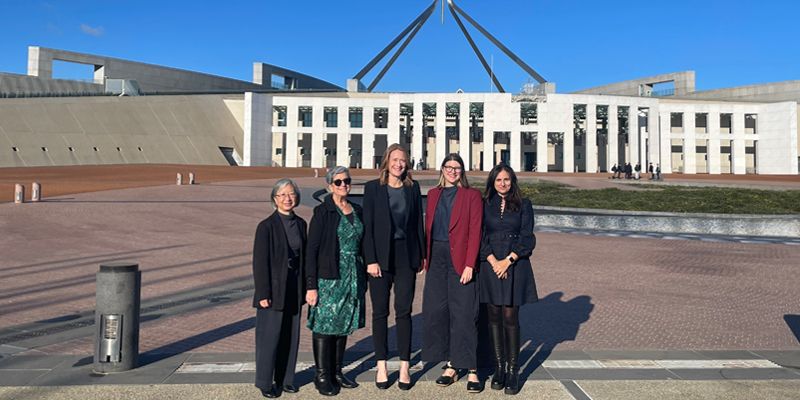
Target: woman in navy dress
506,278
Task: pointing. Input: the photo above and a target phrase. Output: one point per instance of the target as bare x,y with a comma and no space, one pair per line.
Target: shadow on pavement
793,321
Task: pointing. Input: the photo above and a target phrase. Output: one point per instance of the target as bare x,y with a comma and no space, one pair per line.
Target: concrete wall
13,84
768,92
776,149
684,83
116,130
262,74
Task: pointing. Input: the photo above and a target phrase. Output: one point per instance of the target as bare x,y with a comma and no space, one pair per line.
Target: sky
576,44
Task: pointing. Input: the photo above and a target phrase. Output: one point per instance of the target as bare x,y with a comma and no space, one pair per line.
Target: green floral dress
340,309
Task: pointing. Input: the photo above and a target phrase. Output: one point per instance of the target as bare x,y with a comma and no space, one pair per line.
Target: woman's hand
501,268
311,297
264,303
374,270
422,266
466,276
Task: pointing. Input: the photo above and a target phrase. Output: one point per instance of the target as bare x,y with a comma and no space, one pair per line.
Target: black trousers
277,338
403,277
450,313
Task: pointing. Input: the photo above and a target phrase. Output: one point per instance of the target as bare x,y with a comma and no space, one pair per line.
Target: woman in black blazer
336,281
278,252
394,249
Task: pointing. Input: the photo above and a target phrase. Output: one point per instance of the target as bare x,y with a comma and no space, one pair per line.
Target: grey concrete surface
704,390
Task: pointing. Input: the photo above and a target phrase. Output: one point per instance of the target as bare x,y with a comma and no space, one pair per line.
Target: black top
507,231
397,202
379,225
293,236
441,220
322,251
271,255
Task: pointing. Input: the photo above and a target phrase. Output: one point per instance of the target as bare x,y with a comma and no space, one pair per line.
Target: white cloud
92,31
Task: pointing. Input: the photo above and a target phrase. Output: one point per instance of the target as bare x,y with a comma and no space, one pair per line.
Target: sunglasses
340,182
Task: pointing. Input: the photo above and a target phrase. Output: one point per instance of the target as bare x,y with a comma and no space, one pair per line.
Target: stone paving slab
681,390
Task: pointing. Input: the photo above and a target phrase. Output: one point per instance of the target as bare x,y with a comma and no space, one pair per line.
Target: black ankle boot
323,354
512,347
499,377
341,379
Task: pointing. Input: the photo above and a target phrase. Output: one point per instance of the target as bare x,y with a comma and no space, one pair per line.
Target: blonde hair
384,170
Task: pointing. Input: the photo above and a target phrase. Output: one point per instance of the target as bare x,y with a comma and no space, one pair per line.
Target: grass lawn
667,198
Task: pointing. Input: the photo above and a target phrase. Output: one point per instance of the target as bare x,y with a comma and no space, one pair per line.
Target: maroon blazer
465,227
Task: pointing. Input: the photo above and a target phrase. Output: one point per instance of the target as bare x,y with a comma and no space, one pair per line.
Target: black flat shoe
270,394
474,387
382,385
404,385
290,389
445,380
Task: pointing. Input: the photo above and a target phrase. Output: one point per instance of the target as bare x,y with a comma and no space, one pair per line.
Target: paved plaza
614,310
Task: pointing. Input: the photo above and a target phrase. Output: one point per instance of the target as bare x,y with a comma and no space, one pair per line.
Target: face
397,163
344,185
286,199
502,183
452,172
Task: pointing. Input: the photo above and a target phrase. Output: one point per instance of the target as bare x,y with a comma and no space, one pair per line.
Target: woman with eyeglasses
506,281
278,252
336,281
450,299
393,250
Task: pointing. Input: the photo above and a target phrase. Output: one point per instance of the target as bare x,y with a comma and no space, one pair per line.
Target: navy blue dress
502,234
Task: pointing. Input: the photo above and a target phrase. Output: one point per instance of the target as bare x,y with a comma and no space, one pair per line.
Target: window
750,123
279,116
528,113
304,116
331,117
381,117
356,117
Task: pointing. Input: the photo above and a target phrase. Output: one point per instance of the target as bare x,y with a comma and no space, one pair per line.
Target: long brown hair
462,181
384,173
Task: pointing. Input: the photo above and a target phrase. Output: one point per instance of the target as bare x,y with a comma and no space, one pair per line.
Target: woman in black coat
506,279
278,252
394,246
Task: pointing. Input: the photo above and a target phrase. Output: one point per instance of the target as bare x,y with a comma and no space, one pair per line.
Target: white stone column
464,138
738,157
257,146
441,133
591,138
633,135
417,138
343,135
292,125
568,159
368,138
714,151
515,143
689,143
393,124
489,159
318,136
665,138
541,137
652,144
613,136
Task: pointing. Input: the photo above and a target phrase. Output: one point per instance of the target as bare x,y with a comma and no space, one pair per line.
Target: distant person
413,163
658,172
336,281
614,171
506,278
278,253
650,170
638,170
628,171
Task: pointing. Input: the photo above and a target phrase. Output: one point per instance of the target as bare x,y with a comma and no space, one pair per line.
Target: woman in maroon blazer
450,299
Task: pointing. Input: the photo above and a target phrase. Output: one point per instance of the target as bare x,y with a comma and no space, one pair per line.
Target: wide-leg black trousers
403,277
449,312
277,339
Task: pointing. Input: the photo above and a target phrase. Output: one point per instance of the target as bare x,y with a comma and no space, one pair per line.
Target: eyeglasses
286,195
345,181
450,169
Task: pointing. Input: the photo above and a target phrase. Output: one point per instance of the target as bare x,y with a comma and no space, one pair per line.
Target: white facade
567,132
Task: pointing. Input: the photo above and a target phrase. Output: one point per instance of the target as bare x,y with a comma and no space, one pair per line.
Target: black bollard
116,317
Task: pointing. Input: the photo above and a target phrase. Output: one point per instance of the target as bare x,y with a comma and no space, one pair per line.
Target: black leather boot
512,349
324,352
499,377
345,382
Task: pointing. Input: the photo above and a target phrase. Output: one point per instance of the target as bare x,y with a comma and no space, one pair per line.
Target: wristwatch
511,259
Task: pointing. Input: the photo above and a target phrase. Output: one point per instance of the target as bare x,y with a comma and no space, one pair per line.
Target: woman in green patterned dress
336,281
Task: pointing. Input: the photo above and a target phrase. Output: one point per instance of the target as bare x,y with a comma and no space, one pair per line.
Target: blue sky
577,44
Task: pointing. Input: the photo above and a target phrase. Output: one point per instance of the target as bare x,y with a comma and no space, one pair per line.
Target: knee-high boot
324,352
345,382
499,377
512,349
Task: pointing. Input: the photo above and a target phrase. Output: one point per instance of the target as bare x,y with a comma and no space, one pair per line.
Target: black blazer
379,230
271,261
322,251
